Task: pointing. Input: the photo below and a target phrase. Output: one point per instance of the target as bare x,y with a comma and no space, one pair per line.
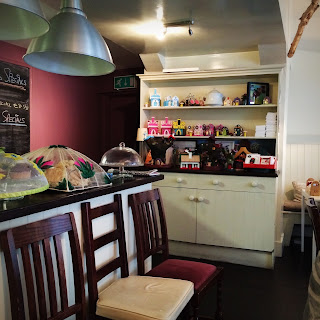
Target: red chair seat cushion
196,272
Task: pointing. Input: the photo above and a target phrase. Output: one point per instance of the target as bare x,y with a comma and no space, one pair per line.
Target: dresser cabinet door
236,219
180,207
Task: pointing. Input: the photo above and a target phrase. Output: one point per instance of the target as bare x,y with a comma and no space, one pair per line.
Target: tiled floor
260,294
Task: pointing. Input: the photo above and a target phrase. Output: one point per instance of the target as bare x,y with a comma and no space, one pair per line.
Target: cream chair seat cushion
141,297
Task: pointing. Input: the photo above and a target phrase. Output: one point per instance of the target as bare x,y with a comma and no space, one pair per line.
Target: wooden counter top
12,209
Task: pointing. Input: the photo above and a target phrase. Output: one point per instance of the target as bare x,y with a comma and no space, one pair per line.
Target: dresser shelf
256,106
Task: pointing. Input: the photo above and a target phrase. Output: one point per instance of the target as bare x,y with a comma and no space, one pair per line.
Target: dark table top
12,209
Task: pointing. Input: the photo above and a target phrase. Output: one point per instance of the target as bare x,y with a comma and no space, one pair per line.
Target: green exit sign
124,82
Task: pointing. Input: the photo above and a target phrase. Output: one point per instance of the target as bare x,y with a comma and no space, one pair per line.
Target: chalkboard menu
14,108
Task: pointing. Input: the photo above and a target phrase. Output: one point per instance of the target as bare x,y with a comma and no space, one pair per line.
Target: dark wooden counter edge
244,173
52,199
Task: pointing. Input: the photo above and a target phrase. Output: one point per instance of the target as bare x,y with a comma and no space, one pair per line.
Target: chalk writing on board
12,119
14,108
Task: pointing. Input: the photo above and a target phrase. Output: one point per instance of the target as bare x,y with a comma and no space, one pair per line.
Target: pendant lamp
72,46
21,19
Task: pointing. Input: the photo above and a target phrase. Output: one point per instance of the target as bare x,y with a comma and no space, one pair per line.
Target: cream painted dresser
236,214
228,217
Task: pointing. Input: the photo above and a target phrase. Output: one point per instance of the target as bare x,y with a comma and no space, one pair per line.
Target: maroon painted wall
63,109
74,111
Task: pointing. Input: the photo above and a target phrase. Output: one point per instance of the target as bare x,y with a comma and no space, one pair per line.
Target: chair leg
219,315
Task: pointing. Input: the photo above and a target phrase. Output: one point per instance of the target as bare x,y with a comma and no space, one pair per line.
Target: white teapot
214,98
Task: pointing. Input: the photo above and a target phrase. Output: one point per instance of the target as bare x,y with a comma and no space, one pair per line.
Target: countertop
245,172
12,209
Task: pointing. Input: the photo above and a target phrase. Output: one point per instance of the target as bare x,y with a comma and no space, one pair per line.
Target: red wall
63,109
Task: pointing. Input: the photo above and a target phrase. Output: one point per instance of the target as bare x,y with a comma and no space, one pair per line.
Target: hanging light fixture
72,46
21,19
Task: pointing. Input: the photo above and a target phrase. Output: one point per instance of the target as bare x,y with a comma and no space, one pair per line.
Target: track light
180,24
190,31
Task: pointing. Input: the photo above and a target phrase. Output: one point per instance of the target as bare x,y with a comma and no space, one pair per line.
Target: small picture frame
257,91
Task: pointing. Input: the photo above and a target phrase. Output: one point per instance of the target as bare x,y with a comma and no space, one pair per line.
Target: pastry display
19,177
21,171
68,170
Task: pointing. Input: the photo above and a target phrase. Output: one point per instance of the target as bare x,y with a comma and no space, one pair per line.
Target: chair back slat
78,280
117,235
50,277
29,283
108,268
155,224
315,220
103,210
39,279
106,239
31,233
144,226
150,226
61,272
40,285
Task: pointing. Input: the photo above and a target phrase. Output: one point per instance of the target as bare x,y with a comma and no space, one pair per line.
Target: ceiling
220,26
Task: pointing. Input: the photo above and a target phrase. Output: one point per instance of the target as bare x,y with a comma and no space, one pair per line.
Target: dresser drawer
217,182
237,183
173,179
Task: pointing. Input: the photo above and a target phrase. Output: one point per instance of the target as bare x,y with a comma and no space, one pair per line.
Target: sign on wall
125,82
14,108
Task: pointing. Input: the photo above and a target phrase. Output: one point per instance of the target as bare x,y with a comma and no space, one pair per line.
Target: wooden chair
315,220
39,238
130,297
152,238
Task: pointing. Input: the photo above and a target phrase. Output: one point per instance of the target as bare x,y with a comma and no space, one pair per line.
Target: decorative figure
189,131
179,127
198,131
175,101
219,129
148,160
158,147
155,99
236,101
189,161
167,102
244,99
238,130
166,127
210,130
225,131
239,158
153,126
266,100
227,102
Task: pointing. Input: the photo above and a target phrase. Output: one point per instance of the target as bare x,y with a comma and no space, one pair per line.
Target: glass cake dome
19,177
121,157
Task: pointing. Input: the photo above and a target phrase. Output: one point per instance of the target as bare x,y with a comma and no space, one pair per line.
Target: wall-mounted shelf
219,137
256,106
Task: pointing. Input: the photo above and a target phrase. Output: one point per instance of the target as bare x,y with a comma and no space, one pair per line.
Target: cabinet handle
215,182
254,184
191,198
201,199
179,180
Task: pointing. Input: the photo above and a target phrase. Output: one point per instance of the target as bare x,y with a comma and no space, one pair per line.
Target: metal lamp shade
21,19
71,47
